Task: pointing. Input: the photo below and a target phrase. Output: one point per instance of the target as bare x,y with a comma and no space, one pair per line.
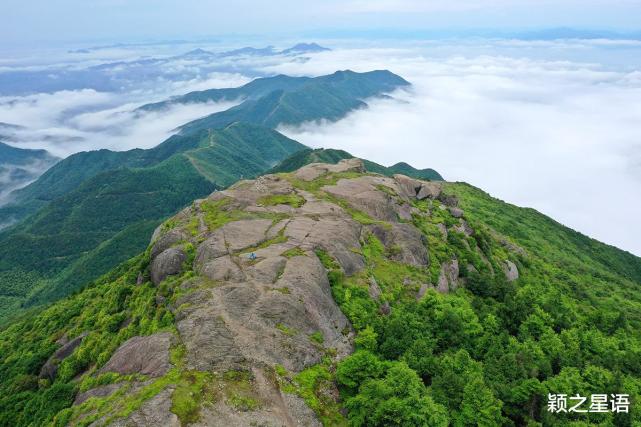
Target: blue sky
46,21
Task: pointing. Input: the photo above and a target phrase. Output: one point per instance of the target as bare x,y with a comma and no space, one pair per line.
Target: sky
46,21
553,124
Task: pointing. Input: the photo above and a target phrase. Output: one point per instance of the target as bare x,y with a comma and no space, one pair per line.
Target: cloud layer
559,136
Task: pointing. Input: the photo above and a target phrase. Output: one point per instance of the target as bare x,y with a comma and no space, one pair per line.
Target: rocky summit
255,305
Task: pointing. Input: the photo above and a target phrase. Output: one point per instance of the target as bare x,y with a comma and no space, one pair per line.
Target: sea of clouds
553,125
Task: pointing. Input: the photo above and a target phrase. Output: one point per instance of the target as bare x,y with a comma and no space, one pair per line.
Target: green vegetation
111,310
315,386
293,200
291,253
286,329
490,352
317,337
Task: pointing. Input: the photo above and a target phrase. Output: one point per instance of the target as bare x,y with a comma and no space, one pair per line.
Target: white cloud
562,137
66,122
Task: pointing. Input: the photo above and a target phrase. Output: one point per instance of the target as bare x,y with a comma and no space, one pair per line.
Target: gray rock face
155,412
166,241
167,263
413,188
147,355
511,271
315,170
362,193
374,290
50,368
404,242
456,212
100,391
448,279
260,291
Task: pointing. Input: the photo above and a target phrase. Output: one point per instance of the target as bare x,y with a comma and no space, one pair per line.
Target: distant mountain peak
305,48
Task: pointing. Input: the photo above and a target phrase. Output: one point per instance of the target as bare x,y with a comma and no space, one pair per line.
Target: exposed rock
50,368
275,409
254,302
456,212
448,200
155,412
166,241
148,355
314,170
385,309
405,211
374,290
409,186
511,271
221,269
100,391
464,228
362,194
169,262
448,278
443,229
423,290
404,243
337,235
431,190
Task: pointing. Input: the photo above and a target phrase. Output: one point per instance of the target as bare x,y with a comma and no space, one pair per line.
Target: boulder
167,263
403,242
416,189
409,186
146,355
222,269
374,290
50,369
314,170
154,412
448,278
511,271
456,212
423,290
166,241
429,190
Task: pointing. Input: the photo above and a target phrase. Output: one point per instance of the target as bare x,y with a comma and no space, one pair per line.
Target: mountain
328,97
94,210
331,156
19,167
331,296
349,83
302,48
252,90
250,51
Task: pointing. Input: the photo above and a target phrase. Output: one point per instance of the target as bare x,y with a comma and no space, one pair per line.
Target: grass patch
290,253
290,332
293,200
317,337
315,385
239,391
